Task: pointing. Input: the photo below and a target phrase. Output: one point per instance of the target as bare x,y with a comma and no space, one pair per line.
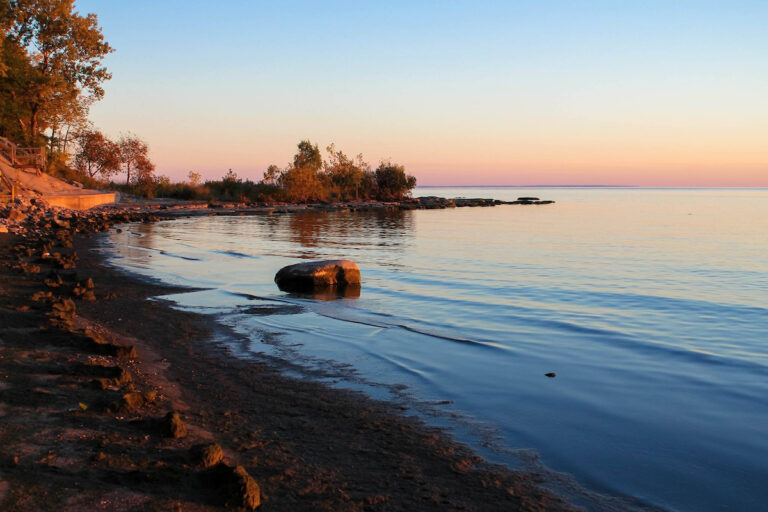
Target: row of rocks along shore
43,251
417,203
13,217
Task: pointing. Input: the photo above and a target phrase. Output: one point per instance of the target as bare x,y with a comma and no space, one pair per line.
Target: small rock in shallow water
551,375
318,274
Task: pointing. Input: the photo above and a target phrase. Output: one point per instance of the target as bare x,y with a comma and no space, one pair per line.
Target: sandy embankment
82,416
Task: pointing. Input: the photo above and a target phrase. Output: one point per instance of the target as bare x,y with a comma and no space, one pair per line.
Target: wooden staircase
22,158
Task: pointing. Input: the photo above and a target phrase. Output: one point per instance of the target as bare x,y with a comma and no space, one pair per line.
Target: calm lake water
650,305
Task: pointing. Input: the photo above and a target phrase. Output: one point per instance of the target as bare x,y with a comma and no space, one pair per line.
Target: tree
17,72
301,184
144,171
346,175
368,187
61,72
272,174
308,156
97,155
6,21
194,178
134,153
143,178
67,121
392,182
231,177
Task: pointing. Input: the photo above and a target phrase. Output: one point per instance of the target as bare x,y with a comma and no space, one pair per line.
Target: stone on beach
173,426
240,489
208,455
318,274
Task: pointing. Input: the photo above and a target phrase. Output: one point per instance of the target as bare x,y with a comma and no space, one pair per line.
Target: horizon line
598,186
593,186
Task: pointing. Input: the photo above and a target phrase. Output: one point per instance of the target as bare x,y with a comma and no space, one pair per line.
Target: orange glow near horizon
679,162
499,93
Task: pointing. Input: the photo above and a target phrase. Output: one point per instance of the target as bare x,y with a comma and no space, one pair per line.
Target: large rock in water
318,274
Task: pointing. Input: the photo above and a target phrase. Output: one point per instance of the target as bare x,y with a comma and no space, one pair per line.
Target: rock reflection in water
329,293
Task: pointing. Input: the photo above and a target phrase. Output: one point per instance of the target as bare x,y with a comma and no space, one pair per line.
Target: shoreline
308,446
176,208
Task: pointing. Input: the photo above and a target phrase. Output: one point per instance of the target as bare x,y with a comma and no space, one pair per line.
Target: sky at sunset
647,93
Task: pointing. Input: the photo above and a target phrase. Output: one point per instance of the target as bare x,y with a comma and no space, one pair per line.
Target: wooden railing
31,157
22,157
11,186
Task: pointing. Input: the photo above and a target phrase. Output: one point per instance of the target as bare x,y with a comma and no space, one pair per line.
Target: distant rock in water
529,200
318,274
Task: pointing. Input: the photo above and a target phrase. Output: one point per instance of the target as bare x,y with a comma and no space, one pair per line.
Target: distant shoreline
639,187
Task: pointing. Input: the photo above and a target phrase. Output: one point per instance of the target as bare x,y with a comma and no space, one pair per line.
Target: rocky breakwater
35,218
417,203
313,275
434,202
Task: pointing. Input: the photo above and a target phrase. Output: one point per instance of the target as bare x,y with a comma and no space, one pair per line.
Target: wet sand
82,416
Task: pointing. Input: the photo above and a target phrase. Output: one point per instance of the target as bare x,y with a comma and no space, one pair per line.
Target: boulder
131,402
207,455
318,274
173,426
239,489
15,214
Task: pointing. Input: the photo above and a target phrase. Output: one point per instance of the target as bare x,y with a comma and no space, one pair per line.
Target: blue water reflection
651,306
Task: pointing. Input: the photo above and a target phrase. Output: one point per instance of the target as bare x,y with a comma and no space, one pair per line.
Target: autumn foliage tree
302,182
101,158
51,68
392,182
97,156
272,174
340,178
346,176
308,156
134,157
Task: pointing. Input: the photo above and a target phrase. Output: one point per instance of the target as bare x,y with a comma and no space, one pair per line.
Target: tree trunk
22,125
66,141
51,149
33,125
